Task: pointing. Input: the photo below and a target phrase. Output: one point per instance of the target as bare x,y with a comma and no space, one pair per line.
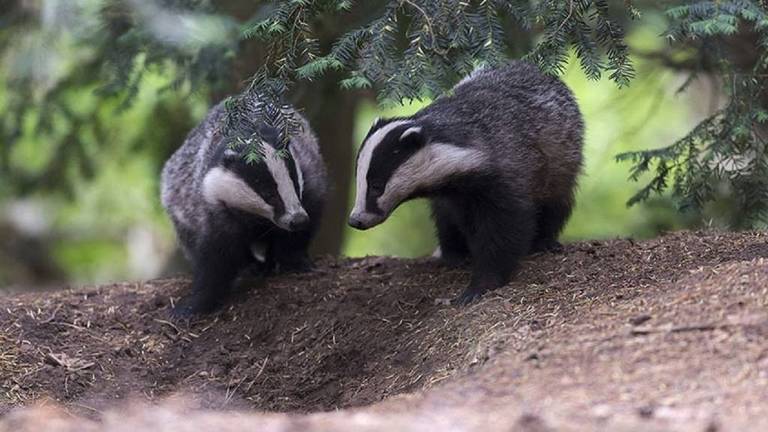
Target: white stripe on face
364,162
299,173
222,186
430,166
285,188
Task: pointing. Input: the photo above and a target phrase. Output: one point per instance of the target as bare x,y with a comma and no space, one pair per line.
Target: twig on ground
168,323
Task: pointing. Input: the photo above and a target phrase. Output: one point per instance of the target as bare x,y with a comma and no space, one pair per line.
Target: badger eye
376,188
268,194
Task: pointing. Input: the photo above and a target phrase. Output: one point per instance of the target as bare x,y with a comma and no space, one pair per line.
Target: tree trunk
331,112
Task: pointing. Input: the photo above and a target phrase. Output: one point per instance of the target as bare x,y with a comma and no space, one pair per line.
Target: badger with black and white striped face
230,214
498,157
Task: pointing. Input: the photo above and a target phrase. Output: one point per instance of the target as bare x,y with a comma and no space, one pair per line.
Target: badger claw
192,305
467,297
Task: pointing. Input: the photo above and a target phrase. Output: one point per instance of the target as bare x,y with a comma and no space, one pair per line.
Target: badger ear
413,136
269,134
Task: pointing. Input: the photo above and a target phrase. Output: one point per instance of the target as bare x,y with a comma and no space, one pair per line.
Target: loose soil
666,334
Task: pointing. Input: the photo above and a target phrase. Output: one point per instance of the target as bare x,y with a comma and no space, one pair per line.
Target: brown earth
667,334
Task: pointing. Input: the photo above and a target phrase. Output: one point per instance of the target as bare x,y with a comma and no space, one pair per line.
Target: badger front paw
464,298
482,282
468,296
192,305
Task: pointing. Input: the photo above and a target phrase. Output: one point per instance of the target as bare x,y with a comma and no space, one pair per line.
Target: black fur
493,231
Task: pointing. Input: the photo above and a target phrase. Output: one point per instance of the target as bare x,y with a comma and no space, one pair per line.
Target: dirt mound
669,333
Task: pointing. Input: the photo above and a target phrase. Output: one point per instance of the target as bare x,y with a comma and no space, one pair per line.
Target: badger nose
361,221
298,221
356,223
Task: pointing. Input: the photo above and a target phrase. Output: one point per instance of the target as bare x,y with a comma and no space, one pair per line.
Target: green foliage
726,153
248,110
588,26
54,52
404,49
413,49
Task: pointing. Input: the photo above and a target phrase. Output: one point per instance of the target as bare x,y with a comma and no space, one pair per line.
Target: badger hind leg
551,219
217,262
502,236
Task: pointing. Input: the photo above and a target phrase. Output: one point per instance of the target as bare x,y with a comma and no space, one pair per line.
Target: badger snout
295,221
364,220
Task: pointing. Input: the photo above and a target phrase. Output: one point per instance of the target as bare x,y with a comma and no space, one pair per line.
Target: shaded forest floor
666,334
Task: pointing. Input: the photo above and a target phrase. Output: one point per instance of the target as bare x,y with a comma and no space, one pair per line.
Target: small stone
640,319
645,411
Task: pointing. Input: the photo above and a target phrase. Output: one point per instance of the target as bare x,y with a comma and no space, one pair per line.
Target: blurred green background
110,226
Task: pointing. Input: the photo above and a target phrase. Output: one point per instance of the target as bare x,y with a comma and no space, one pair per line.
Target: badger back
529,121
546,116
519,104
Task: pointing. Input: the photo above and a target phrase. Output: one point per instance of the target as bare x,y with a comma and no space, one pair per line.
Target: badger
498,157
230,213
